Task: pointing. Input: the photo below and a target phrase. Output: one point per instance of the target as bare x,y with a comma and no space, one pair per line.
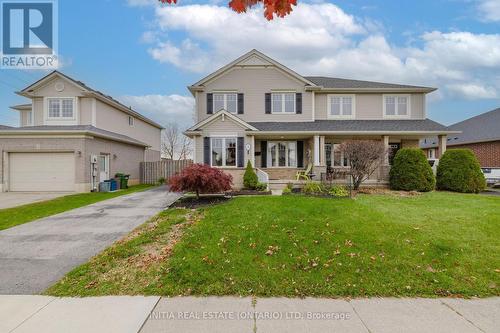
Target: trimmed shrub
250,179
313,188
338,191
201,178
459,171
411,171
261,187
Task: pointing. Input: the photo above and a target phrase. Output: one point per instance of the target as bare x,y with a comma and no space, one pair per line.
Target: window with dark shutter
300,154
268,103
241,151
241,104
298,103
210,103
206,150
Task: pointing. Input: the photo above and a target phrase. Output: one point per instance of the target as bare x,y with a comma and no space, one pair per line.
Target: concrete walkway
35,255
14,199
231,314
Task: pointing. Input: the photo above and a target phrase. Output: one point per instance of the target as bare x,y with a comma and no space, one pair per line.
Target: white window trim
341,116
60,120
431,154
282,93
29,116
396,116
224,137
269,158
225,93
133,121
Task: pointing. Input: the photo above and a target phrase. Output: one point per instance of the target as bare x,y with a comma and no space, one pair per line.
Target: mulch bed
192,202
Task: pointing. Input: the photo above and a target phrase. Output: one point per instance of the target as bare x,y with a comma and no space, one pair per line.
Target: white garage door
38,172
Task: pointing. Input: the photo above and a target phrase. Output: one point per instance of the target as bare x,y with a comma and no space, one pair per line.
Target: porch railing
262,176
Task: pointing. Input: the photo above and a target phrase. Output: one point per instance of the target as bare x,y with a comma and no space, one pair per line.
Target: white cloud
321,39
489,10
164,108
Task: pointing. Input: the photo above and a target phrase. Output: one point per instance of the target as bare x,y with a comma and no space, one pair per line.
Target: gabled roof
338,83
481,128
219,114
27,92
253,53
71,129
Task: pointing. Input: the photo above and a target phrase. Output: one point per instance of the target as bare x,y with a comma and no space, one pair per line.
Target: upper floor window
226,101
340,106
396,105
61,107
131,121
223,152
283,102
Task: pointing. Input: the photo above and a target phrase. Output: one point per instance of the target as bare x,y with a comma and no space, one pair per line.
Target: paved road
40,314
35,255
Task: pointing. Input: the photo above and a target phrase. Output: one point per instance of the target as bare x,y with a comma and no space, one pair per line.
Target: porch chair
305,174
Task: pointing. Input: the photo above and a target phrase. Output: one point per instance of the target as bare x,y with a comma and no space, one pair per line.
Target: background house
71,137
481,134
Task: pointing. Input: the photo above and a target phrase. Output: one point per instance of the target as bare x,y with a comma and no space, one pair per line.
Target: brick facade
487,153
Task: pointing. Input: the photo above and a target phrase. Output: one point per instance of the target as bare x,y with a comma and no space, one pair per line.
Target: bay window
226,101
60,108
396,105
223,152
282,154
283,102
340,106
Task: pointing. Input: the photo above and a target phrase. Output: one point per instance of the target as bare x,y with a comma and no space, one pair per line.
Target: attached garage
42,172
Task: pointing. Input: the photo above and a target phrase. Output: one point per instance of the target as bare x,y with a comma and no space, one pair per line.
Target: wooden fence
151,172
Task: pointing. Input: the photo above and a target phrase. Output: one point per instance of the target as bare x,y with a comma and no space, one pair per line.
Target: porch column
442,139
252,150
316,150
385,138
322,154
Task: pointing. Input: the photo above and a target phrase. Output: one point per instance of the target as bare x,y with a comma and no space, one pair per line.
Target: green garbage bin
123,180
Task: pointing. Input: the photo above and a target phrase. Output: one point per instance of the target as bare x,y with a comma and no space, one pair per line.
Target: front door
103,167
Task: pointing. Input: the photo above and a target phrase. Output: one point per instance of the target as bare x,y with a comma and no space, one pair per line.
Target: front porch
278,159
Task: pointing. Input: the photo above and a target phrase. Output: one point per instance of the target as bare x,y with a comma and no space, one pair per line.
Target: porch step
281,184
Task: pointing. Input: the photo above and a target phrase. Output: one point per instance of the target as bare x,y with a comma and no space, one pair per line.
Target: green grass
10,217
435,244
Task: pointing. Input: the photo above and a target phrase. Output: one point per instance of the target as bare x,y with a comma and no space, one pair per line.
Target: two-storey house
255,109
71,137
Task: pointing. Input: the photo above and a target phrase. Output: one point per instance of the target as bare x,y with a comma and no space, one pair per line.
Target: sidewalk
232,314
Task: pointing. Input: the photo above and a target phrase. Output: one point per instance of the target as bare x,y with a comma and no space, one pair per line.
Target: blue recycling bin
113,186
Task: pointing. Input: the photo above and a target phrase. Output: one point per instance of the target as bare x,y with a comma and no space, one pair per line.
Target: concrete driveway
35,255
13,199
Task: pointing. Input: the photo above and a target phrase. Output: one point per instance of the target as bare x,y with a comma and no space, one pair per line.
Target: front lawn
435,244
10,217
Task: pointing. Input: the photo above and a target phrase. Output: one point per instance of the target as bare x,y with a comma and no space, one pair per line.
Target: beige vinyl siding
37,111
254,83
25,119
86,110
370,106
114,120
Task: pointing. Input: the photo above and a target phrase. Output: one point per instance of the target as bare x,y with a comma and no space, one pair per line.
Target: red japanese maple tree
280,8
201,178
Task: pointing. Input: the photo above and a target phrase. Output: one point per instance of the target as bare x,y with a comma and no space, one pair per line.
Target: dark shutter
210,103
300,154
241,151
298,103
206,150
241,104
268,102
263,154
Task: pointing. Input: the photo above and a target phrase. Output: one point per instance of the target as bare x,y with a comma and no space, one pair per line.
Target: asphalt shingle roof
352,125
4,127
333,82
82,128
484,127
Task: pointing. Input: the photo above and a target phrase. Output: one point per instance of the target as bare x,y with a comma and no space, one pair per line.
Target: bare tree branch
175,145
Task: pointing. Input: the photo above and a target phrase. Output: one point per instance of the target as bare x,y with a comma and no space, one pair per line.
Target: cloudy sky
145,54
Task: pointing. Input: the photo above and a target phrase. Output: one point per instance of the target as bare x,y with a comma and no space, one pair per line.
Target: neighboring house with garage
481,134
71,137
255,109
